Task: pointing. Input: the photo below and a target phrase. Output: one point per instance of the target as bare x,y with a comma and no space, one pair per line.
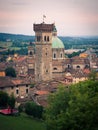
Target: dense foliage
34,110
6,100
80,42
74,54
3,58
75,108
3,99
10,72
11,101
14,37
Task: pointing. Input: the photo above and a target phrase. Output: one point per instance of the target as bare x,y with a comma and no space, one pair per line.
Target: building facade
15,86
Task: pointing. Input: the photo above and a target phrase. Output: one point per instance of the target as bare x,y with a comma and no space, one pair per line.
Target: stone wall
21,90
43,56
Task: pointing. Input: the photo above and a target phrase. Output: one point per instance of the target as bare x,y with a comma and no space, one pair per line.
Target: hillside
12,37
22,122
69,42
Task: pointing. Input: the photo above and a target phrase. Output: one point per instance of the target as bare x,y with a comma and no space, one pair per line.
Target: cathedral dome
57,43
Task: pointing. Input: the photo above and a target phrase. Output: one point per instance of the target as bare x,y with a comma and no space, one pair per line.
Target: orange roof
21,58
87,71
42,92
16,81
83,55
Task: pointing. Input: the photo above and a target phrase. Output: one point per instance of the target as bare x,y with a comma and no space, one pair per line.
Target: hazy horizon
58,35
71,17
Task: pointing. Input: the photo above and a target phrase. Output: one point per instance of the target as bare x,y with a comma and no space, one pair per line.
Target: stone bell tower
43,50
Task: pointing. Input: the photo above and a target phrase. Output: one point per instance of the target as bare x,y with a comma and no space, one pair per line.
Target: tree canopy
3,99
33,109
75,108
7,100
10,72
11,101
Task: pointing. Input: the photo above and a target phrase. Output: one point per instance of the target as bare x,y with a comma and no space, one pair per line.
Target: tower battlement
43,27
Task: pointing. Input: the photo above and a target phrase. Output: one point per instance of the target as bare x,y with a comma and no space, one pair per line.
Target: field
22,122
14,48
5,44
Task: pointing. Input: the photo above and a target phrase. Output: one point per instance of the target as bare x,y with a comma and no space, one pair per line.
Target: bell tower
43,51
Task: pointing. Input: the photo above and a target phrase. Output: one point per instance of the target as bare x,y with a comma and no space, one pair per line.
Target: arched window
61,55
44,38
38,38
54,55
55,68
26,91
86,66
17,91
69,66
48,38
46,71
31,53
78,67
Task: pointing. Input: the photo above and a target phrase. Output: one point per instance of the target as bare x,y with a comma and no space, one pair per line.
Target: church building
48,57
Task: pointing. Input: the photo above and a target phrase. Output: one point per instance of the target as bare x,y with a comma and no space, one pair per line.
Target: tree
10,72
11,102
21,108
34,110
75,108
93,75
3,99
3,58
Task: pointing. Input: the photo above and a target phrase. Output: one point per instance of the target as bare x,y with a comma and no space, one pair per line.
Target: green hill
22,122
13,37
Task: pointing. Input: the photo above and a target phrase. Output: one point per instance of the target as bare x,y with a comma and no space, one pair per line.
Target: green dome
57,43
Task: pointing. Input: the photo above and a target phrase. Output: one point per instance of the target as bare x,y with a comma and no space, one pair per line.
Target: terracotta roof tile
17,81
40,92
5,82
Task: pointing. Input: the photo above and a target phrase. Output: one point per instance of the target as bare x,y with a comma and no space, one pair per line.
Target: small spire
54,30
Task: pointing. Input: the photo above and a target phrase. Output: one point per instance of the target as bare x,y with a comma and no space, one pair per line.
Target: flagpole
43,18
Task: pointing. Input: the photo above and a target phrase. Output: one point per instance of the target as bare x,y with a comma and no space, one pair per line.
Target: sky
71,17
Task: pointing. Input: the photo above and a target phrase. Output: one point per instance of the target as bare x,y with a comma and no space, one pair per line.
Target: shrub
3,99
33,109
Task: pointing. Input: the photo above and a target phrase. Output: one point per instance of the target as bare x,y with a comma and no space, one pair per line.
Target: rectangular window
46,71
17,91
61,55
12,87
26,91
44,38
48,38
16,86
54,55
26,85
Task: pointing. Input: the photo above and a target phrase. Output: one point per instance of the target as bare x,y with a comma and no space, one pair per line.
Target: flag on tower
44,16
